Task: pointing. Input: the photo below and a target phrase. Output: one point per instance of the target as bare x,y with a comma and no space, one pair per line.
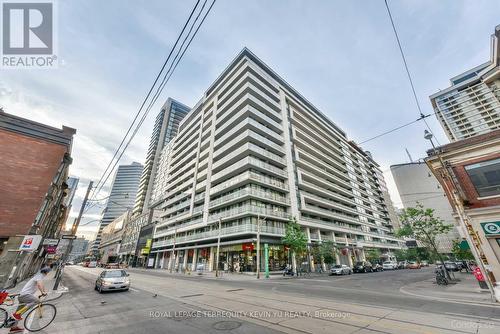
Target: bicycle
37,317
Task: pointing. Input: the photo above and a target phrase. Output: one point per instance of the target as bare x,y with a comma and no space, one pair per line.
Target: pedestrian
27,297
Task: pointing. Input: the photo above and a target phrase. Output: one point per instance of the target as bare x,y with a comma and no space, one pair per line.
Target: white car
340,269
388,265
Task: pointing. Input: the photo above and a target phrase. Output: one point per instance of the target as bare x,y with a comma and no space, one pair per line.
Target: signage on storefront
247,247
51,249
30,243
50,242
491,229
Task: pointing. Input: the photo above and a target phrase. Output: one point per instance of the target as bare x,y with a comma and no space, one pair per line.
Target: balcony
225,231
249,192
246,149
249,176
248,209
248,163
330,214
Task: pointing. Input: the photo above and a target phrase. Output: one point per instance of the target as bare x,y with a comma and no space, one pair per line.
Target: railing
250,209
251,191
245,228
251,161
252,147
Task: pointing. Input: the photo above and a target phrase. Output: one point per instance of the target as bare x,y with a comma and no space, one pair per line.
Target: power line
165,80
422,117
407,70
144,101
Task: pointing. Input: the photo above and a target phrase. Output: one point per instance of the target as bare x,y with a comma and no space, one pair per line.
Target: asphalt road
162,303
83,310
378,289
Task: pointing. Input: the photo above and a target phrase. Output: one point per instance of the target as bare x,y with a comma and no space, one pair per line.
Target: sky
341,55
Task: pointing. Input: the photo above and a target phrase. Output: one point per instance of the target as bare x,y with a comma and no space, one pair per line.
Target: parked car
424,263
362,267
340,269
414,265
91,264
389,265
452,266
112,266
378,267
70,263
402,264
112,279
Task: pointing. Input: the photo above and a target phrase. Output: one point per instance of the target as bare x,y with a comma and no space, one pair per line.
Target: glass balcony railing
250,191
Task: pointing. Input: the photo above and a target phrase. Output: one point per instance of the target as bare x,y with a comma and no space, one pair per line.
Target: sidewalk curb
458,301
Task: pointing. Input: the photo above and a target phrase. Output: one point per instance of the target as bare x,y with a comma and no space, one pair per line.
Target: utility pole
76,223
218,249
172,258
258,246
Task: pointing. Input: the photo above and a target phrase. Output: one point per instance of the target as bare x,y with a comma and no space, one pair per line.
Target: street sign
491,228
50,242
30,242
68,236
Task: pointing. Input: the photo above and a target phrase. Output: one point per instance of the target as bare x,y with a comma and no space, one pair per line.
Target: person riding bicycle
27,297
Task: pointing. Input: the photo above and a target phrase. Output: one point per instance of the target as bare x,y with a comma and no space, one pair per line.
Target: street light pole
218,249
172,258
258,246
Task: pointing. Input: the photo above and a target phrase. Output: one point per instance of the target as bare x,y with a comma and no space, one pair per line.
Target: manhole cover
226,325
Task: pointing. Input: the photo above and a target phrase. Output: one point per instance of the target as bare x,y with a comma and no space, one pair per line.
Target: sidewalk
275,275
466,290
48,282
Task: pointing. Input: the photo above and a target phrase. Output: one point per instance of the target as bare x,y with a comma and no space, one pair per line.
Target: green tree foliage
294,237
373,255
324,251
459,253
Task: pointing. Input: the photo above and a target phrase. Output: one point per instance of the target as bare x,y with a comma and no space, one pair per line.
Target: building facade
122,196
471,105
249,156
109,247
469,171
34,160
165,128
79,249
417,184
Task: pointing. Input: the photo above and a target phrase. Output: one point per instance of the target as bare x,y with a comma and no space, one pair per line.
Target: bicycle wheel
3,317
40,317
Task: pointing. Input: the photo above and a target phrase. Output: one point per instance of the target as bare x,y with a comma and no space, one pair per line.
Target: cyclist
27,297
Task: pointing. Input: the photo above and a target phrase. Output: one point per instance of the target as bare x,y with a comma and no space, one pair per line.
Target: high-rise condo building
165,128
416,184
122,196
250,155
471,105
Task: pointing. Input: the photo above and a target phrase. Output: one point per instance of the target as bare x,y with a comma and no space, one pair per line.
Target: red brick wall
27,167
468,187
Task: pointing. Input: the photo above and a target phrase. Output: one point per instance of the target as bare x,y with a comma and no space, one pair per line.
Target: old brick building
34,162
469,170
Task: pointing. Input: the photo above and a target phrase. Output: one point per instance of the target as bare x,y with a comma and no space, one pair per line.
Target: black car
363,267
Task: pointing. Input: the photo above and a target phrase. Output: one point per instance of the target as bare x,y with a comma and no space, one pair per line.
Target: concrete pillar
184,265
349,258
337,257
195,259
311,258
211,259
363,255
176,266
323,264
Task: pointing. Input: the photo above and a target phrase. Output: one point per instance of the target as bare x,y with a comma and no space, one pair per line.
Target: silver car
340,269
112,279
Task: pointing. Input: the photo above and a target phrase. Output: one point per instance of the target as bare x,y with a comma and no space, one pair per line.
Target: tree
373,255
296,239
421,224
459,253
324,252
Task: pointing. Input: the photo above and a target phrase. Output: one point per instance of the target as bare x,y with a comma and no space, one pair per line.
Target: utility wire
144,102
167,76
407,70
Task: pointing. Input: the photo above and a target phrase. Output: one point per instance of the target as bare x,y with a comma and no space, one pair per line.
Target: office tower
165,128
471,105
250,155
122,196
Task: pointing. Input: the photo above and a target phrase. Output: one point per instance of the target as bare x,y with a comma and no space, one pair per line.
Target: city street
361,303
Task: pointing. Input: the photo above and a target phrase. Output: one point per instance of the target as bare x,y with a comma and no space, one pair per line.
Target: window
485,176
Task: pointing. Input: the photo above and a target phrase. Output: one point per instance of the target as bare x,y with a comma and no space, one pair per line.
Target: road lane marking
135,290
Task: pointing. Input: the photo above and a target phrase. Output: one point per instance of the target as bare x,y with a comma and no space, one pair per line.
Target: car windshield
387,262
337,266
115,273
359,263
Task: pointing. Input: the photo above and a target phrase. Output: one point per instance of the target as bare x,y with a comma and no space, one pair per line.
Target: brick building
469,170
34,166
